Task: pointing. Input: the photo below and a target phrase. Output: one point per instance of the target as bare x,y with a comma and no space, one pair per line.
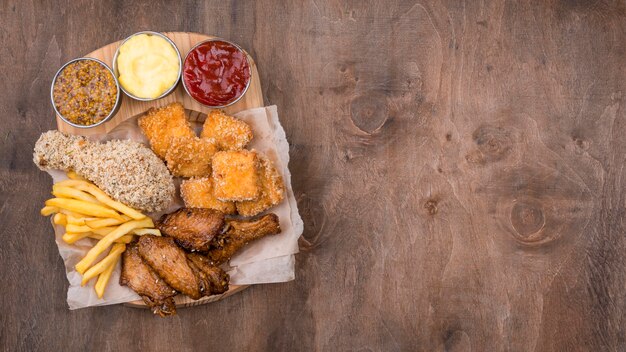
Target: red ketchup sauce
216,73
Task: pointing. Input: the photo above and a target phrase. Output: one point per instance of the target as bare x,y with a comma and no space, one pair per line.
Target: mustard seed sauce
85,92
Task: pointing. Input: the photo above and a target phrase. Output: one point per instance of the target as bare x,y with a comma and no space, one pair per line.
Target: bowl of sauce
148,65
216,73
85,93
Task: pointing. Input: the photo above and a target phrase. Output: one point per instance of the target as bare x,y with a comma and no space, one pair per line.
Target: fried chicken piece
229,133
235,175
137,275
272,190
170,263
190,156
127,171
192,228
198,193
239,233
214,279
161,124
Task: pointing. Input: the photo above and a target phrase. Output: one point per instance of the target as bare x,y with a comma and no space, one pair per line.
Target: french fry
49,210
98,223
69,192
70,238
141,232
84,228
103,231
83,207
60,219
110,259
74,220
124,239
87,212
74,176
73,213
104,243
103,279
102,197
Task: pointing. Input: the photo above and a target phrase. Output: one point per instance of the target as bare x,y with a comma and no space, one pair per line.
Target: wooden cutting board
130,107
196,112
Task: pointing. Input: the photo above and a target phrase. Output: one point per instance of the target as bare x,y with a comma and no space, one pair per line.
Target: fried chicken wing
235,175
239,233
161,124
229,133
190,156
198,193
192,228
137,275
214,280
272,190
170,263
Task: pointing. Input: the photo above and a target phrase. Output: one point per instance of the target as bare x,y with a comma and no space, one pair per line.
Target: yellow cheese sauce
147,66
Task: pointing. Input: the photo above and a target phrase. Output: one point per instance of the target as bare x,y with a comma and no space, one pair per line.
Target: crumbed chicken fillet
127,171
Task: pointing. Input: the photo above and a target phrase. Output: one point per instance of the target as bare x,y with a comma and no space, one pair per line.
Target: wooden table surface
459,167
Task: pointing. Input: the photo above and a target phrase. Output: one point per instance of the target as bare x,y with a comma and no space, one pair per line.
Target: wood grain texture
458,166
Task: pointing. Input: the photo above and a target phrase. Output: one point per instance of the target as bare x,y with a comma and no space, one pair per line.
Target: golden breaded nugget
190,156
161,124
235,175
198,193
272,189
228,132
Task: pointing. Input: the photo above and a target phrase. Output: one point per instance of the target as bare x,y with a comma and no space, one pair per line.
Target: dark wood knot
494,143
369,112
456,340
580,142
527,219
431,206
539,206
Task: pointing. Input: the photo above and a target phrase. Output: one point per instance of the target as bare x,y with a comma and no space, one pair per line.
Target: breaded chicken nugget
198,193
272,189
190,156
235,175
161,124
228,132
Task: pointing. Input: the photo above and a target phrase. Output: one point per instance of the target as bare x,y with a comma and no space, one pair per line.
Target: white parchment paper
268,260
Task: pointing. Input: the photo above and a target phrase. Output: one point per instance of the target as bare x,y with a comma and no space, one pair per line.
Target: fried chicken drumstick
127,171
238,233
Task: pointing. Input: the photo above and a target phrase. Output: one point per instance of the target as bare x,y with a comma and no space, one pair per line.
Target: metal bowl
180,65
118,98
238,48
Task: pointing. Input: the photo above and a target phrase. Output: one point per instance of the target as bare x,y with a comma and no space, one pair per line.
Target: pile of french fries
87,212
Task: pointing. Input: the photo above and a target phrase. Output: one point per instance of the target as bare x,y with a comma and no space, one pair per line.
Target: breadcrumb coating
272,189
190,156
162,124
126,170
234,175
198,193
229,133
